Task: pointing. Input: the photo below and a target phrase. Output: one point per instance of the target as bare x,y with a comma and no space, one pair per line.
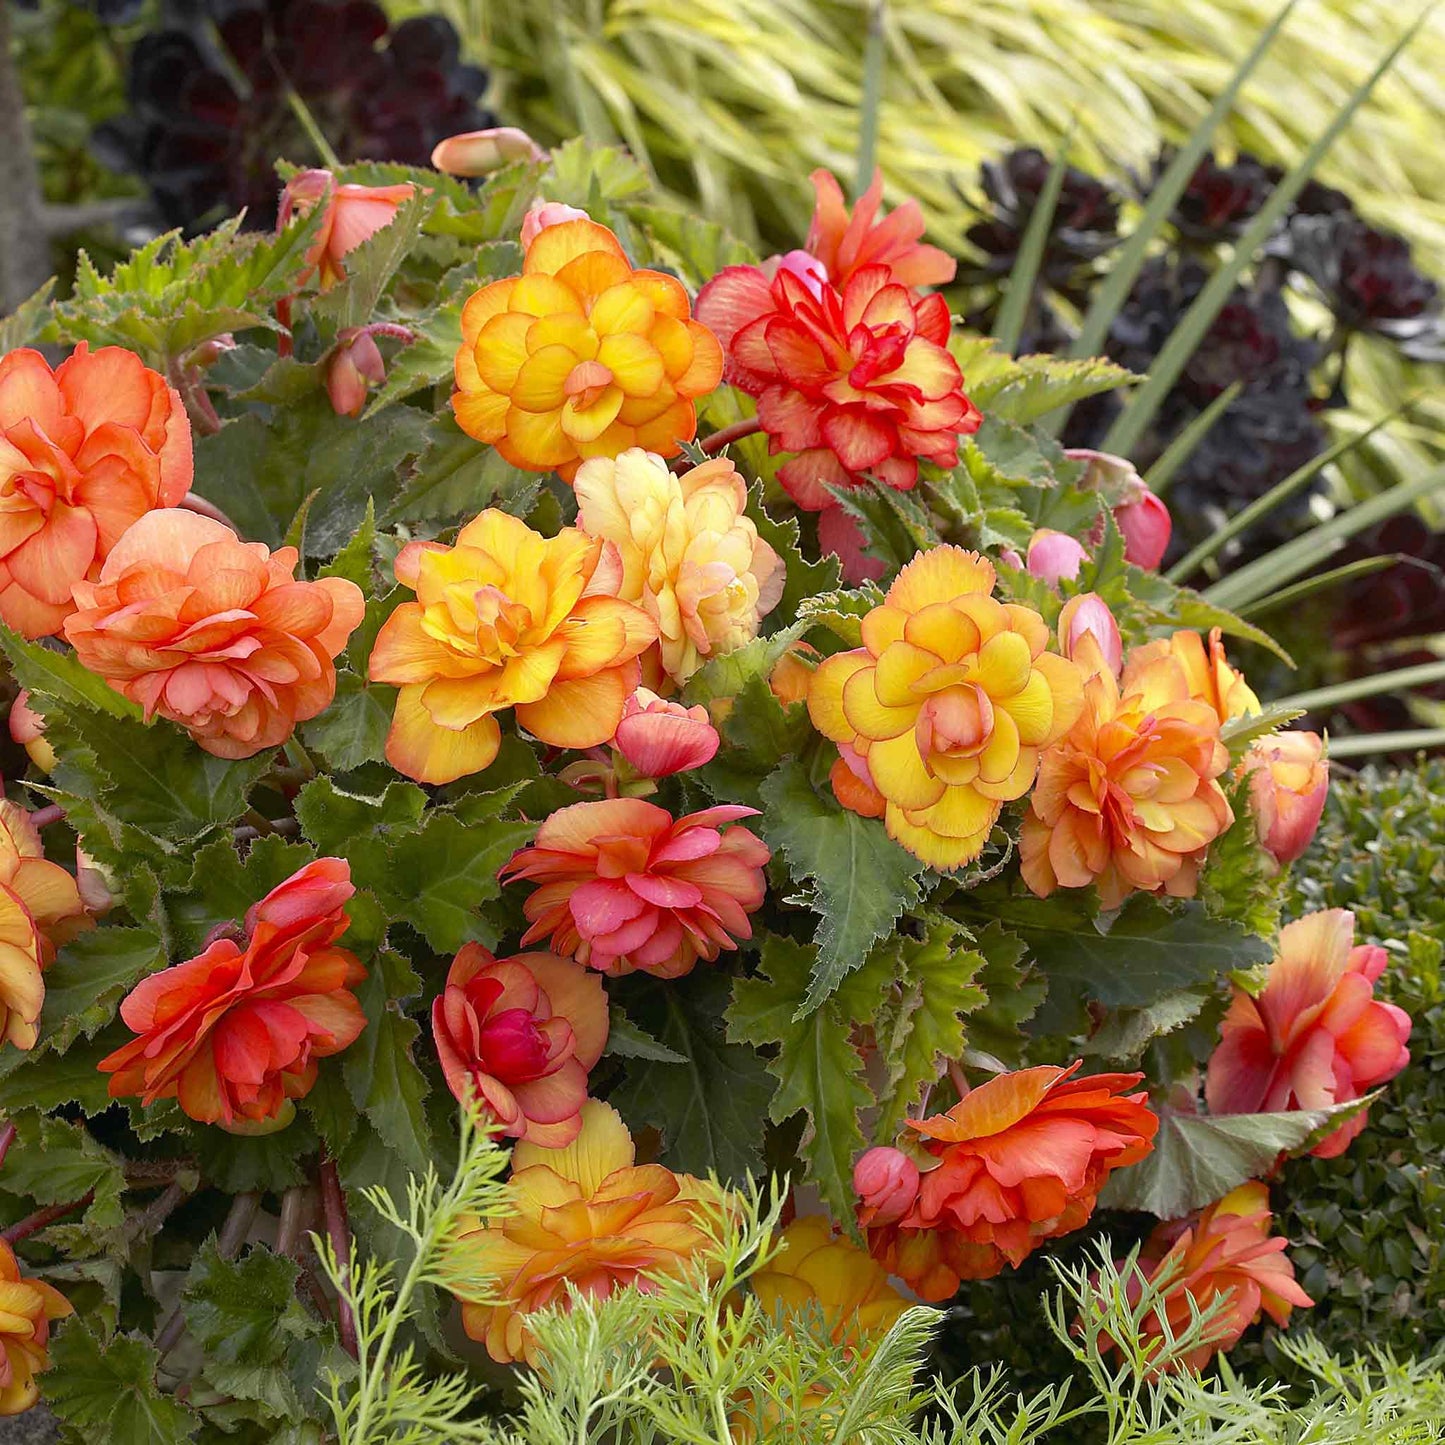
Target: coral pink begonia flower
659,738
1315,1035
845,244
626,887
353,214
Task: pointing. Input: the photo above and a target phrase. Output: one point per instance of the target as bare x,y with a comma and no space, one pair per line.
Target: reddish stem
43,1218
44,817
748,426
7,1138
202,508
338,1230
955,1073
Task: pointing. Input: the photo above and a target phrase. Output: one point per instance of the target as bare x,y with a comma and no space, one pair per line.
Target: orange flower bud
355,366
853,787
1288,781
479,152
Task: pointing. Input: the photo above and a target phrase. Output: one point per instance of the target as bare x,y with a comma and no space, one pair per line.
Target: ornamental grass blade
1322,581
1158,477
1267,574
1376,744
1277,495
1023,279
1399,680
872,98
1139,410
1170,186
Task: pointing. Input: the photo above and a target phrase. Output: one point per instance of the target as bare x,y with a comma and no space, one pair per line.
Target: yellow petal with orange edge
492,300
501,350
481,414
582,713
569,329
623,307
940,575
900,665
1066,682
587,423
665,292
603,632
945,631
405,653
591,275
665,433
1017,781
674,343
554,246
1004,666
928,847
535,440
455,703
1000,753
882,626
866,715
1029,625
541,383
954,771
497,533
419,749
899,774
46,889
543,296
1032,708
825,694
603,1147
961,814
633,362
706,368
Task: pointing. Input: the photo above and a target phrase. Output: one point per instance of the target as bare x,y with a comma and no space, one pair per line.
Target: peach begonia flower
581,356
1225,1251
583,1216
520,1034
216,634
506,618
659,738
85,450
949,702
856,381
1129,798
1207,672
690,557
1315,1035
27,1307
235,1035
818,1269
1021,1160
845,244
40,908
27,727
792,673
353,214
1288,781
626,887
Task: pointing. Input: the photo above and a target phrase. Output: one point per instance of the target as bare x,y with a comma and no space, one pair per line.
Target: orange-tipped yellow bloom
40,908
506,618
583,1215
817,1267
581,356
27,1306
1128,800
690,557
949,702
1207,672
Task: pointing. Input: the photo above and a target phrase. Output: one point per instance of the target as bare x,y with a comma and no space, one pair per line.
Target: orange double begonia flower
1129,799
1315,1035
85,450
1021,1160
581,356
583,1216
948,703
520,1034
1208,674
626,887
845,244
1225,1251
40,908
506,618
27,1307
216,634
235,1034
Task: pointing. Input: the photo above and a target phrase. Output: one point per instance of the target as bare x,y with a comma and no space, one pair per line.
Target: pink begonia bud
659,738
27,728
1010,558
211,351
479,152
1288,780
356,365
1089,635
542,214
93,883
1054,556
886,1182
803,264
1142,518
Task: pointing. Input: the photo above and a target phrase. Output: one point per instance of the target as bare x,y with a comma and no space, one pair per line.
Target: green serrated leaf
842,612
53,1161
47,672
352,731
852,874
355,562
804,578
454,476
331,817
817,1067
91,973
709,1108
727,675
626,1041
107,1391
371,266
1014,993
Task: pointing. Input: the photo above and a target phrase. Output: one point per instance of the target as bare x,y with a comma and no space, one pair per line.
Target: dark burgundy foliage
1220,201
210,109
